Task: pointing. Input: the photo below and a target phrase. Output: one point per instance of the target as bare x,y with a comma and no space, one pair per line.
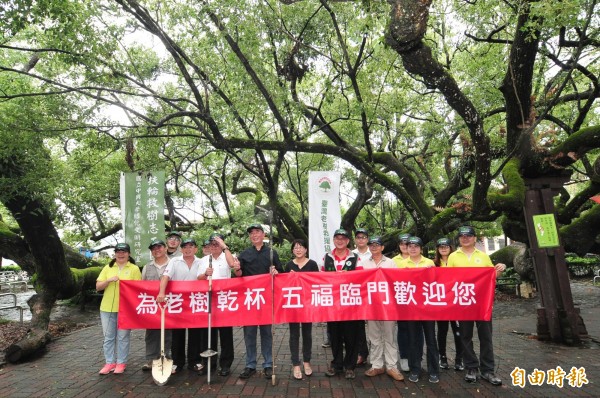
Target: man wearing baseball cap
152,272
384,349
173,242
183,268
467,255
361,239
256,260
344,334
219,264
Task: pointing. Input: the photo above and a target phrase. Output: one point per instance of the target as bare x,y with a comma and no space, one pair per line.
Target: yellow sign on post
545,230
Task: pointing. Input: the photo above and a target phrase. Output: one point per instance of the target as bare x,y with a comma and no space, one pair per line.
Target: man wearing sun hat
256,260
152,272
467,255
183,268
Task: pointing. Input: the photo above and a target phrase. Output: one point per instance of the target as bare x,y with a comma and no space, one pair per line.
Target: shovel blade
208,353
161,370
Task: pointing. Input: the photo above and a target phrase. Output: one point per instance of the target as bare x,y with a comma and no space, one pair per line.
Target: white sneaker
404,365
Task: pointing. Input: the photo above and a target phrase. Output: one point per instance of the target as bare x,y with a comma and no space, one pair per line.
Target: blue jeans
266,345
114,336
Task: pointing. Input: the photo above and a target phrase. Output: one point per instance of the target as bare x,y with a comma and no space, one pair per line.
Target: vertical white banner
324,215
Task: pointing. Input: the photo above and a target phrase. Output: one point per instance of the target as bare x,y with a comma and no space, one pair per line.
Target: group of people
392,343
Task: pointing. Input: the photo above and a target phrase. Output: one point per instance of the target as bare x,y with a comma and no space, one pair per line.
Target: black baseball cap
466,231
341,231
122,247
216,235
361,231
376,239
188,241
255,226
156,242
174,233
415,240
443,242
404,237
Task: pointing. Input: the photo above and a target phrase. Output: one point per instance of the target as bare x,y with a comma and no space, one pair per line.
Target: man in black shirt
256,260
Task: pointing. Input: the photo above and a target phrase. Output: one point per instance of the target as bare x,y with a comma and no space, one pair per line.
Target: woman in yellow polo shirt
417,328
122,267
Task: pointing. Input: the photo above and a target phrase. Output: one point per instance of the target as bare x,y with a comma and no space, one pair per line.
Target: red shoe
120,368
109,367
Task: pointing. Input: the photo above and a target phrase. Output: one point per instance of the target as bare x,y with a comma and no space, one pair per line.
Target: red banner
382,294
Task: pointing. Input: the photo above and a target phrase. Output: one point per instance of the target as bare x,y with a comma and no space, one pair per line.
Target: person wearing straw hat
223,265
467,255
182,268
152,272
256,260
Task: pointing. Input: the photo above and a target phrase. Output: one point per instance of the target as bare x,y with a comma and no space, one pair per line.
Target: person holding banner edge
223,265
115,340
256,260
467,255
301,263
344,334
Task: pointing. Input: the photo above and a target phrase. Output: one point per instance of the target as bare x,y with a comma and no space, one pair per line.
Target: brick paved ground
70,366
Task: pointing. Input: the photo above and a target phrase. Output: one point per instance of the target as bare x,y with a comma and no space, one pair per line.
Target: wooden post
558,319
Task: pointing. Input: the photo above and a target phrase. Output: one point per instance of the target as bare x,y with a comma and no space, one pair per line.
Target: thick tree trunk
34,342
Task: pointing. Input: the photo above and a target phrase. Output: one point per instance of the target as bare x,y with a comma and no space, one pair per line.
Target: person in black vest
344,334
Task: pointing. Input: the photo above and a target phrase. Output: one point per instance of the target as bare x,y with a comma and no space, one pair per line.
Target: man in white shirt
183,268
219,264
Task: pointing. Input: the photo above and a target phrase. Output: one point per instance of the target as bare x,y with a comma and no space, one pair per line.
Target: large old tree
436,112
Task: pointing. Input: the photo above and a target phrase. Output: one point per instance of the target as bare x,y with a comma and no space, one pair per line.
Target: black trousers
486,347
344,336
226,355
363,347
442,333
178,349
295,342
415,350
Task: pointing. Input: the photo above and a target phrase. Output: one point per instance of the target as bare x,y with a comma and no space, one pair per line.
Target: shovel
162,367
209,353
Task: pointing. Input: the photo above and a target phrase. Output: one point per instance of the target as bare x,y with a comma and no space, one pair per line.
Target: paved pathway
70,366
